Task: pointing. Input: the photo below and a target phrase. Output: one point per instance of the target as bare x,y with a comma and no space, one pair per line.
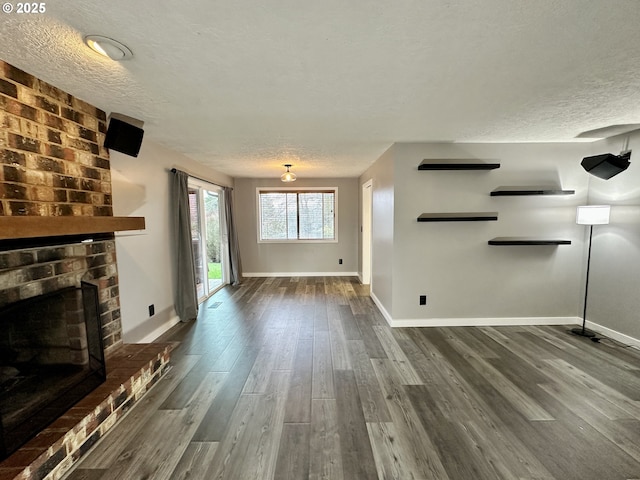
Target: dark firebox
51,356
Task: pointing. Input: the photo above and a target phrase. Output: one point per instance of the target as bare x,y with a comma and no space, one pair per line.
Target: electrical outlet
423,299
339,261
152,310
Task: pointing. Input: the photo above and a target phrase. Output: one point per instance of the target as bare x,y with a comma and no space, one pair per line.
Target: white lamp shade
593,215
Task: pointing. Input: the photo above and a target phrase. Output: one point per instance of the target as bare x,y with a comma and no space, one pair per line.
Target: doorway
367,201
208,237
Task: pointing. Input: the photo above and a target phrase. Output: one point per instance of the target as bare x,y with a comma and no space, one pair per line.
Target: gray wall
614,284
382,174
451,263
297,258
145,260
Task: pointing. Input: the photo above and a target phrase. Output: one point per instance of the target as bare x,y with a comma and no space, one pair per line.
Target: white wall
141,188
467,281
614,284
299,258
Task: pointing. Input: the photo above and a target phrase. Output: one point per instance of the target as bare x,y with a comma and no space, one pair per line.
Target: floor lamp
589,215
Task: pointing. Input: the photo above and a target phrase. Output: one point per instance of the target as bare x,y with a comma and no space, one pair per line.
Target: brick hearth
131,371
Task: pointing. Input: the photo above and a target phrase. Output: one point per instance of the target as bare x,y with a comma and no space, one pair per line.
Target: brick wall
52,163
51,153
26,273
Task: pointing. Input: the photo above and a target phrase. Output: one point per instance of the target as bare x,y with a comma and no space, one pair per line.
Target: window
297,215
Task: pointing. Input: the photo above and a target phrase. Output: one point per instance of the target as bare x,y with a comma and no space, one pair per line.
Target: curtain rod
174,170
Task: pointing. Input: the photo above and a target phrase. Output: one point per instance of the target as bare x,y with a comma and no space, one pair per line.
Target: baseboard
472,322
160,330
484,322
501,322
299,274
607,332
383,310
152,328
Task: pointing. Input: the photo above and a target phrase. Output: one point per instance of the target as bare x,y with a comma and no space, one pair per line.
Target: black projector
123,137
606,165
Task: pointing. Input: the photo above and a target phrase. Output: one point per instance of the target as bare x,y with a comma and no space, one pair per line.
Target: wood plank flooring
301,378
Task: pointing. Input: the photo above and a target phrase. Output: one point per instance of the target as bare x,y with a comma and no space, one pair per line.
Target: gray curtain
186,297
235,268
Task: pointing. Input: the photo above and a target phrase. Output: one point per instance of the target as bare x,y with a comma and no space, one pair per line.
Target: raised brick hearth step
131,371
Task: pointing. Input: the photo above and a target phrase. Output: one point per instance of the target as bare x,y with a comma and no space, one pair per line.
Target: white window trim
299,189
200,185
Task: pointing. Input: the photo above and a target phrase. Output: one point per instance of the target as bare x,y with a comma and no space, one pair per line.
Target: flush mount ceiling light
108,47
288,176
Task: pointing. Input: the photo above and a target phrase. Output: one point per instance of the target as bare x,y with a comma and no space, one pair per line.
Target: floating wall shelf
505,241
456,165
459,217
528,190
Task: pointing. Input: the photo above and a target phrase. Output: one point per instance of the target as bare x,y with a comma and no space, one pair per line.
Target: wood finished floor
296,378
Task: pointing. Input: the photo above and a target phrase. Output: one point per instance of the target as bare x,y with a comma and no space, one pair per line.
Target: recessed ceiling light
108,47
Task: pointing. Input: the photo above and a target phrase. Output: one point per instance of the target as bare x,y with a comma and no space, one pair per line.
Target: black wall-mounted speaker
606,165
123,137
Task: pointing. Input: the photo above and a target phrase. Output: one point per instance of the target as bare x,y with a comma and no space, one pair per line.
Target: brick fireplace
33,271
55,173
52,163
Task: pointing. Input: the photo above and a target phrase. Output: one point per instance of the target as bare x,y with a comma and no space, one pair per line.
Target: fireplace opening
51,356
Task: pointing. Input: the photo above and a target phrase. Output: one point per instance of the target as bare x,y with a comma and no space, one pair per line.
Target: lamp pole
583,331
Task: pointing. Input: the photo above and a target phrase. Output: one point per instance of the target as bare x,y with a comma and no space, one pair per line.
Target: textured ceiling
328,86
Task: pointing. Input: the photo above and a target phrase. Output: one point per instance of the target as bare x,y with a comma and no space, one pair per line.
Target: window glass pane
310,216
328,221
193,214
297,215
292,216
273,222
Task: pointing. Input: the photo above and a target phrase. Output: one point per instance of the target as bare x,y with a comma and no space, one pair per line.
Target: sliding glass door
209,238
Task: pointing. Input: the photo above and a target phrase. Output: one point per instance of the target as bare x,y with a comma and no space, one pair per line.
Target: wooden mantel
12,228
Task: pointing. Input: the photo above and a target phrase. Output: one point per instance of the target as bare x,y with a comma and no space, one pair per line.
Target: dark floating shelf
528,190
459,217
456,165
505,241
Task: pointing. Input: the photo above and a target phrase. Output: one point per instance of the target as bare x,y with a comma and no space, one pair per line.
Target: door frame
367,232
200,186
